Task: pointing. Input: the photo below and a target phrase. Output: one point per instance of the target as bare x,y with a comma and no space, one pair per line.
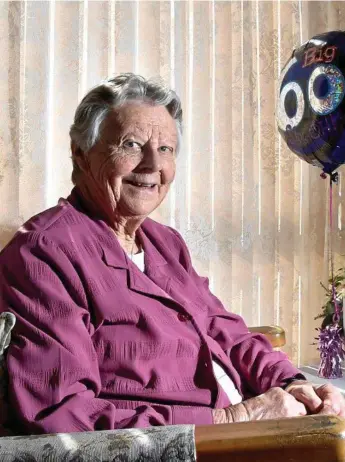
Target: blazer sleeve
54,379
259,366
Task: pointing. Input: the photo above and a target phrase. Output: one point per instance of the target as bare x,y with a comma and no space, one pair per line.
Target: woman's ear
79,156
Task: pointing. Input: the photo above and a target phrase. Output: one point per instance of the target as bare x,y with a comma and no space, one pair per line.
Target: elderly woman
114,327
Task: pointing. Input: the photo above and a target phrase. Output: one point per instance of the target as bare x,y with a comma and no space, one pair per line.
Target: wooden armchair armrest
301,439
275,334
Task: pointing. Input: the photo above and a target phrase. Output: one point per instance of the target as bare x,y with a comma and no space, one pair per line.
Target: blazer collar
116,257
153,258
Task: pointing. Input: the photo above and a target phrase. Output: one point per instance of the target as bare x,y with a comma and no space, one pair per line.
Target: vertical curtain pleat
301,245
9,135
235,136
125,33
265,161
287,220
111,41
199,233
246,222
181,58
67,84
100,42
224,101
255,217
149,38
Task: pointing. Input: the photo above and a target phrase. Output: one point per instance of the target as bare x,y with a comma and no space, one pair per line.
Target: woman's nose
151,160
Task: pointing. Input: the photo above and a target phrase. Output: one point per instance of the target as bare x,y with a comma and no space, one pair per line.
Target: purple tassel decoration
331,347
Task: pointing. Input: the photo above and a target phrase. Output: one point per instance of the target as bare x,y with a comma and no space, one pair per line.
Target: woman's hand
274,404
318,399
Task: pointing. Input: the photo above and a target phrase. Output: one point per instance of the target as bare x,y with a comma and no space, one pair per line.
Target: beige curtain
253,215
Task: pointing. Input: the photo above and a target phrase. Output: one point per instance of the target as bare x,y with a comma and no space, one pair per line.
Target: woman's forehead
142,118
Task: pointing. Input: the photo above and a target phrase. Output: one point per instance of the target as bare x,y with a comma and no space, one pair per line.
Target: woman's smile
144,189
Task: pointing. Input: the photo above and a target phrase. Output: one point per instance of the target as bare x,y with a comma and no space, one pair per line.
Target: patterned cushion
7,321
174,443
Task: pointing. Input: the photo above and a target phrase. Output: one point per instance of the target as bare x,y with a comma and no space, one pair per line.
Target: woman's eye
166,149
131,144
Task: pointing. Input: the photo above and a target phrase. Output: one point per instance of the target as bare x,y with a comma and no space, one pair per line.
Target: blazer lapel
154,282
147,284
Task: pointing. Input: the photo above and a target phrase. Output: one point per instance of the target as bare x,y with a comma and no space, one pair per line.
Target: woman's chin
142,209
141,202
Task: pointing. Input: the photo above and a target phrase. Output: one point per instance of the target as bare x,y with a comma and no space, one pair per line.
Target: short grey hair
109,94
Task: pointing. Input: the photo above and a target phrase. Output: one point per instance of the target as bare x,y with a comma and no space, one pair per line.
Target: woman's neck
129,242
124,228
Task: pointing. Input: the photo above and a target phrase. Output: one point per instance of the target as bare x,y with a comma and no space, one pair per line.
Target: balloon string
336,316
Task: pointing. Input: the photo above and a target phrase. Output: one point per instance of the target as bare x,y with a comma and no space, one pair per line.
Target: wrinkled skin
300,398
137,145
318,399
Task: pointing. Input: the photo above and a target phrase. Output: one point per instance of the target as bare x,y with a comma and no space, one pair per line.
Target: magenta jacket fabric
100,345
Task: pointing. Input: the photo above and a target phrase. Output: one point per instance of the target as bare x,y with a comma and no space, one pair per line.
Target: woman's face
133,164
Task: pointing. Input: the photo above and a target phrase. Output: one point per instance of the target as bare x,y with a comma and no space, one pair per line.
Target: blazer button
183,317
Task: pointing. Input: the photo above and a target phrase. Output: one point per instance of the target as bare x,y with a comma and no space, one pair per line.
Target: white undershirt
221,376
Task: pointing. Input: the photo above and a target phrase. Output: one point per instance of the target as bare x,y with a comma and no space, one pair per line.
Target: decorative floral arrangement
331,340
328,309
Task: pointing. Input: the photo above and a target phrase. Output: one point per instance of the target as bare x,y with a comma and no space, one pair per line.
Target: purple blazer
100,345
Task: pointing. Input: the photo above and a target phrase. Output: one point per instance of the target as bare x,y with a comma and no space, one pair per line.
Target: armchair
275,334
315,438
300,439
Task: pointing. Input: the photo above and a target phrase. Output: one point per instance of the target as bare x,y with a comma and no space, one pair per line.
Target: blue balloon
311,104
